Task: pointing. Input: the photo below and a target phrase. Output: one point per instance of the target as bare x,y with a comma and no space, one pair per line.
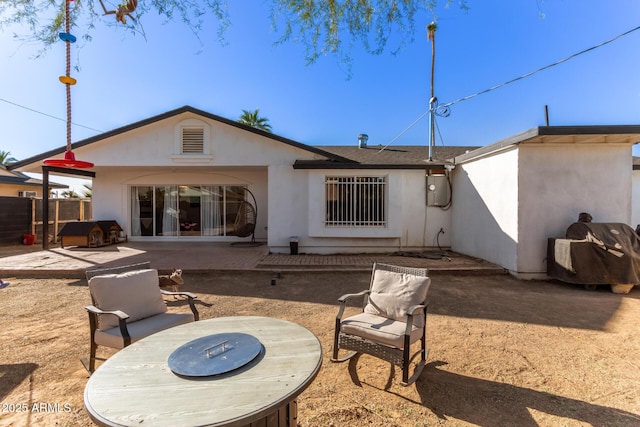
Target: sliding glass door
185,210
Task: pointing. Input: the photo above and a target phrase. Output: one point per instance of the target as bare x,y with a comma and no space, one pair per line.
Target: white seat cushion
392,294
135,292
379,329
141,328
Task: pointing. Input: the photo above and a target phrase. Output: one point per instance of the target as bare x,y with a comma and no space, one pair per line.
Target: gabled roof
391,157
169,114
573,135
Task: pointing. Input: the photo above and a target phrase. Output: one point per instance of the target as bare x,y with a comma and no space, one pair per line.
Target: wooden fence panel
20,216
15,219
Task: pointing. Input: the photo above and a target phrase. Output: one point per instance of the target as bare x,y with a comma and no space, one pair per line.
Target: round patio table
137,387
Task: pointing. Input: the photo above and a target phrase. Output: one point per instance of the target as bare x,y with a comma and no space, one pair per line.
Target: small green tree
253,119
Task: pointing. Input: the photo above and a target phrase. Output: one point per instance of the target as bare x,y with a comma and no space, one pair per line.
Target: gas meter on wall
438,191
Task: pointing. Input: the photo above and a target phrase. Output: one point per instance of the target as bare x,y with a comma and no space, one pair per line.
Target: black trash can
293,245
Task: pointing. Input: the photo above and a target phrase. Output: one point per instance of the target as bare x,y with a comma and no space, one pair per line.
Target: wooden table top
136,386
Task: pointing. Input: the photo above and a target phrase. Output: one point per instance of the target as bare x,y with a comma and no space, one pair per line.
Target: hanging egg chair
245,222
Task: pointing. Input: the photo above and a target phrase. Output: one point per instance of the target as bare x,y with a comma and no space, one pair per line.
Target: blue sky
125,78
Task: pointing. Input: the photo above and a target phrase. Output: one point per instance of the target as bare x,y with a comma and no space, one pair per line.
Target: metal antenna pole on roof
431,35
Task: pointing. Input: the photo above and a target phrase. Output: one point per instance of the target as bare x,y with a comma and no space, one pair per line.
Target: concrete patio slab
30,261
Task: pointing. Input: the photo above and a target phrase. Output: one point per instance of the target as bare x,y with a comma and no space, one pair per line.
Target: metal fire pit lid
214,354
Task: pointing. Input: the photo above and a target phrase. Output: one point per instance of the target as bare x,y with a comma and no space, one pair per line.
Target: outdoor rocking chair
128,306
393,318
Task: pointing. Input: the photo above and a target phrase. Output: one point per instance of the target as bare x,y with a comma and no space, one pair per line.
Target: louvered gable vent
192,140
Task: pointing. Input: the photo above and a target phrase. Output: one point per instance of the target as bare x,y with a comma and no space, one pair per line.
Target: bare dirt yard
504,352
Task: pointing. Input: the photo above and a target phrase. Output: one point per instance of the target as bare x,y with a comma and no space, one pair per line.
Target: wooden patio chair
393,318
127,305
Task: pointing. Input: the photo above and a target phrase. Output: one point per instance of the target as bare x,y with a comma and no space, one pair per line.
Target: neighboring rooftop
19,178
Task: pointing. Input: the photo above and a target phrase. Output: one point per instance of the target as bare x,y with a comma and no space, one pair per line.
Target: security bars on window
355,201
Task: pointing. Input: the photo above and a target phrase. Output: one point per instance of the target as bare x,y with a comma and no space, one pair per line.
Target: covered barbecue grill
596,254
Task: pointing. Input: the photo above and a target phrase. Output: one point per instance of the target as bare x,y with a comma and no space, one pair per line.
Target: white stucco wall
484,221
557,182
298,208
635,199
288,202
421,224
507,205
438,228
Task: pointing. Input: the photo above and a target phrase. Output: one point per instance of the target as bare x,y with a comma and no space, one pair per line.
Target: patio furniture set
175,369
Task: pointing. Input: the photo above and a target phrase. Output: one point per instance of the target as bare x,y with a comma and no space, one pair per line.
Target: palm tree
251,118
5,158
70,194
431,35
88,189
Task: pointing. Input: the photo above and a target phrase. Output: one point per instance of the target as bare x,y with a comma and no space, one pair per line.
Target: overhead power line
444,107
539,69
49,115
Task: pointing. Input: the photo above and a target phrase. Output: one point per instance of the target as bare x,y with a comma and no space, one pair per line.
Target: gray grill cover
595,253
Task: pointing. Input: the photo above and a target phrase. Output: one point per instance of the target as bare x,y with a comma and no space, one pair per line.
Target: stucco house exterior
182,175
509,197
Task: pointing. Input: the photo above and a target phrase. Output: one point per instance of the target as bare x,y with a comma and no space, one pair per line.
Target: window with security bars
355,201
192,140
